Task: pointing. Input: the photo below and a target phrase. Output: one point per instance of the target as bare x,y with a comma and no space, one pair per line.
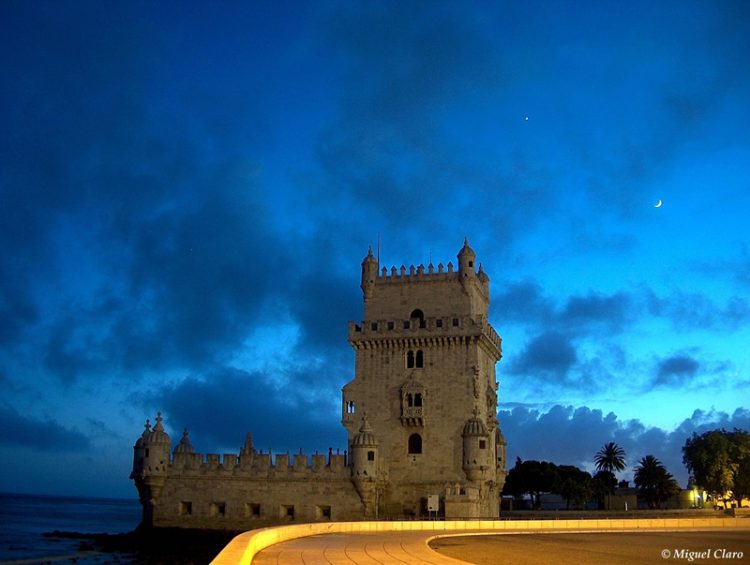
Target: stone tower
423,402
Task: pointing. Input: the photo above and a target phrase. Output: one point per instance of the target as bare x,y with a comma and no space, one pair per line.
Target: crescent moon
658,204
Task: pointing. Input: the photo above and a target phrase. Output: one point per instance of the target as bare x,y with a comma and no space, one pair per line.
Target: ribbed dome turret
184,446
365,437
474,427
157,436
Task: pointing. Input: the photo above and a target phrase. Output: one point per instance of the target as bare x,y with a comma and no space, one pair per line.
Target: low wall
245,546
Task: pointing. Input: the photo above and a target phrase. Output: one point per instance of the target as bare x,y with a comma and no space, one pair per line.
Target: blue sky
187,190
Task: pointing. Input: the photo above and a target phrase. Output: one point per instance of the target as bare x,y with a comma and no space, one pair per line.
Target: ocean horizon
25,518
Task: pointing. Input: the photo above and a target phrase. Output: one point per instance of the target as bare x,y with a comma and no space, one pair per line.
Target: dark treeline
718,462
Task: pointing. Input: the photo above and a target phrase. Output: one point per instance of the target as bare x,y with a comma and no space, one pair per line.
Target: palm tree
610,458
654,481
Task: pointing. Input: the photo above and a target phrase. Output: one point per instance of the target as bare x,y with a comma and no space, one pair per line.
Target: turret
184,451
150,461
369,274
475,448
364,454
466,261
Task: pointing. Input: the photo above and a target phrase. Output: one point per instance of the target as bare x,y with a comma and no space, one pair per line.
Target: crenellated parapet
378,280
259,465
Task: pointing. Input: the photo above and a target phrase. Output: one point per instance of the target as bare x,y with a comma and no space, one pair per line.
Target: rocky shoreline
164,546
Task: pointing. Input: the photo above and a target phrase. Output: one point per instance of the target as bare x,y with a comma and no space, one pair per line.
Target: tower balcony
412,416
372,331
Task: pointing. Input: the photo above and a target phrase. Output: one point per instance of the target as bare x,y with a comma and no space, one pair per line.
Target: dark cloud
526,302
522,301
676,369
133,241
595,308
21,431
569,435
550,355
689,311
291,412
558,329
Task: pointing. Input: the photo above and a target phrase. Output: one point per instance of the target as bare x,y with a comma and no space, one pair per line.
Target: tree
610,458
532,478
720,462
573,484
653,480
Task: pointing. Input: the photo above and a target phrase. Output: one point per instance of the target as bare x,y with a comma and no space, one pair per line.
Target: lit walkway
371,543
361,549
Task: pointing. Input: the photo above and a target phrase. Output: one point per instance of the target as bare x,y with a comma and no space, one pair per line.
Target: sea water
24,518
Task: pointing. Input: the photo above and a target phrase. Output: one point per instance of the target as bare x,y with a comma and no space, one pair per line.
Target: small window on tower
420,359
439,323
415,444
350,407
323,512
371,456
410,359
482,444
390,325
417,399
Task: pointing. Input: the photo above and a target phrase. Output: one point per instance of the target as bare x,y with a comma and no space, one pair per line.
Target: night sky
187,191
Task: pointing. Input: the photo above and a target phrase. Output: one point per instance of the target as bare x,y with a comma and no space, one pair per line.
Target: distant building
421,417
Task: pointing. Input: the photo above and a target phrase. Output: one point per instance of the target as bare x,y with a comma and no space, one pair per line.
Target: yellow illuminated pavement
361,549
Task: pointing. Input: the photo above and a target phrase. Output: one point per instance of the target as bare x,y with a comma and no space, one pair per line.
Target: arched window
420,359
417,399
409,359
418,315
350,407
415,444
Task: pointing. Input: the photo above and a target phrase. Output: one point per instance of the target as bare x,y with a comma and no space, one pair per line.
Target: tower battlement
429,273
260,465
249,463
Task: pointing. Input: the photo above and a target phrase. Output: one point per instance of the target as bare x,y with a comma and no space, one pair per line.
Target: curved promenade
371,543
